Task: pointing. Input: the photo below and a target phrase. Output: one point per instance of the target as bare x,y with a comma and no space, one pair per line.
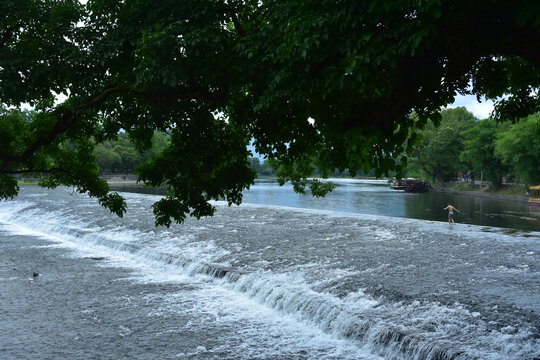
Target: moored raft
411,185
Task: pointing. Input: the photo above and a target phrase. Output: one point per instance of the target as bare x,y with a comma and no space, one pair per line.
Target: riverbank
507,192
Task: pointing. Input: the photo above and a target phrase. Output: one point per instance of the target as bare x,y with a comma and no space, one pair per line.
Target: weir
309,306
324,271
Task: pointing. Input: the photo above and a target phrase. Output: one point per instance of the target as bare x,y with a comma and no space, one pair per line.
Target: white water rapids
281,283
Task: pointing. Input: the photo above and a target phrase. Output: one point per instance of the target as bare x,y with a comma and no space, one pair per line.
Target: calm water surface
365,274
375,197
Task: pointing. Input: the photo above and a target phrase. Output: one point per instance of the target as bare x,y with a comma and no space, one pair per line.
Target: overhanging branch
67,115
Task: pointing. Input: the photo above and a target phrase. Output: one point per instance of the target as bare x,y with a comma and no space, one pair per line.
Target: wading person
451,210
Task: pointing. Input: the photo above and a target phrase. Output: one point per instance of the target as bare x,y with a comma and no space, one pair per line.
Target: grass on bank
503,190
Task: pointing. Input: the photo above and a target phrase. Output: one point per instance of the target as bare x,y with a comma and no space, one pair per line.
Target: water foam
287,296
280,292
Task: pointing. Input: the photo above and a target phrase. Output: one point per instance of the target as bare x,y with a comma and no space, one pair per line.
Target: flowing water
280,277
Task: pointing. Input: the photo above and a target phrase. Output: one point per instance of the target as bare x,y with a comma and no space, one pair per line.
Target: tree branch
104,95
430,173
67,119
64,123
29,171
239,28
7,34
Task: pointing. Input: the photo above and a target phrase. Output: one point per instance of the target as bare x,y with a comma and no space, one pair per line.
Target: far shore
122,181
484,194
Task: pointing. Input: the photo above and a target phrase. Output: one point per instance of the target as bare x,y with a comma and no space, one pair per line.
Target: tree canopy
519,148
333,83
479,151
119,156
438,153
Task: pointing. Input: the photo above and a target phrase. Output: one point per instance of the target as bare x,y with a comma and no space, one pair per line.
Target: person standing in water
451,210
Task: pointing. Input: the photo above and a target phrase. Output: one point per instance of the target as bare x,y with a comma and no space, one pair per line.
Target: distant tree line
120,156
463,145
264,168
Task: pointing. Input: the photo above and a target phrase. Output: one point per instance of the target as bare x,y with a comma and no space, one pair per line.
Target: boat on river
398,184
410,185
534,195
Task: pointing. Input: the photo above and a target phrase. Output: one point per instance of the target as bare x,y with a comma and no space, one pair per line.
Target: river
367,273
375,197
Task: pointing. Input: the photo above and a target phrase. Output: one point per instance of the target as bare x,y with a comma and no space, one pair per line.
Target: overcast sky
481,110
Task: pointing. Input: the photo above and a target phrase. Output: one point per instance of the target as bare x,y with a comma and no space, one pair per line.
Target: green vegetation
508,190
437,155
466,187
263,169
27,183
120,155
479,151
484,148
514,190
519,148
330,85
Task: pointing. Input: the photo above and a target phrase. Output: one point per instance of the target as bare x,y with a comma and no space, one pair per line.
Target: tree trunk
430,173
434,175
